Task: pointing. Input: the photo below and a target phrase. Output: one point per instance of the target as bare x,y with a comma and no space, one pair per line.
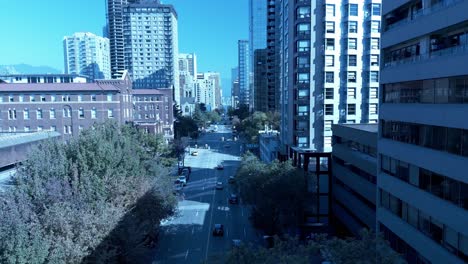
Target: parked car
236,243
194,153
233,199
227,146
231,179
183,180
220,166
219,186
218,230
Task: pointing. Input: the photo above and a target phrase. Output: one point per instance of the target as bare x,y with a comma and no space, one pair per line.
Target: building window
373,109
351,76
80,98
303,62
329,109
351,109
32,98
81,113
303,46
109,98
43,98
353,10
26,129
303,110
303,29
351,93
40,128
110,113
352,43
328,125
375,43
11,98
52,113
329,93
66,112
375,26
330,26
67,130
374,76
66,98
352,27
330,44
376,10
93,113
329,77
26,114
93,98
20,98
39,113
373,92
53,98
352,60
329,60
330,10
301,78
374,60
327,142
53,128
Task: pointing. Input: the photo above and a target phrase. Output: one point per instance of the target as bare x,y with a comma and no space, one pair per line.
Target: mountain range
26,69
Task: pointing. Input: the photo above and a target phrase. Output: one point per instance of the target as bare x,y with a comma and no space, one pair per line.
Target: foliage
276,192
203,117
242,112
186,126
368,249
70,197
256,122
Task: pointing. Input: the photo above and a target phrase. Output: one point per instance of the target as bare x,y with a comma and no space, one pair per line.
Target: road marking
196,214
209,226
242,211
227,232
193,230
245,233
186,254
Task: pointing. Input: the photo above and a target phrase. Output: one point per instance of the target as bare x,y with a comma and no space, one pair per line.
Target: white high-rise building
329,68
151,46
207,89
187,64
423,137
87,54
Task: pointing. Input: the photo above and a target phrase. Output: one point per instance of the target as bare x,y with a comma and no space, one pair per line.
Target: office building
87,54
151,46
423,134
268,141
354,159
235,93
244,73
187,72
207,90
329,57
115,33
188,63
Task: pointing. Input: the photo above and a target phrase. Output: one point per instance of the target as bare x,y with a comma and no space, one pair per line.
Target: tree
276,192
70,198
186,126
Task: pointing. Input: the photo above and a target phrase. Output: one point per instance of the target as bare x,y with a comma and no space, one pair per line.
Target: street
187,238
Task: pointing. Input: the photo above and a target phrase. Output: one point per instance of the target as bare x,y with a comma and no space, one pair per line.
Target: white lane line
245,233
227,232
193,230
242,211
186,254
209,226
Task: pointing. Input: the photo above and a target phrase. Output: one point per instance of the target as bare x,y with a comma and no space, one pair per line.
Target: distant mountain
26,69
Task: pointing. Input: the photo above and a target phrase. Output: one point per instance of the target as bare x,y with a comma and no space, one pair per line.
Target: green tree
69,198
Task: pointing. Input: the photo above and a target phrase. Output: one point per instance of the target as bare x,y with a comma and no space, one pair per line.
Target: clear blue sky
32,30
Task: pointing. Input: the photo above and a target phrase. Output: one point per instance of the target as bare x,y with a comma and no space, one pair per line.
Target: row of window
367,176
352,43
67,129
355,194
451,140
373,9
351,76
436,184
455,242
352,61
453,90
66,112
351,93
350,109
53,98
352,26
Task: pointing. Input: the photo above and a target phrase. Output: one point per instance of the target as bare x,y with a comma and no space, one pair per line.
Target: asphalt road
187,238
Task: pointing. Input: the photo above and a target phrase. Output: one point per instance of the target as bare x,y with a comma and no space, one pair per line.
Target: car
219,186
233,199
177,189
231,179
220,166
227,146
194,153
229,139
183,180
218,230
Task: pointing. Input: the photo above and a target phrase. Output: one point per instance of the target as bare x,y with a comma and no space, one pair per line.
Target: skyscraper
87,54
244,74
423,136
329,61
114,14
187,72
235,93
151,45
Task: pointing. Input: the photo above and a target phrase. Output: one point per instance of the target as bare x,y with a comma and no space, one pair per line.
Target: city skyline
197,32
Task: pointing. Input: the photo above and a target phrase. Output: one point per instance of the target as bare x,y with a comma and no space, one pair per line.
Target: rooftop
56,87
373,128
151,91
13,139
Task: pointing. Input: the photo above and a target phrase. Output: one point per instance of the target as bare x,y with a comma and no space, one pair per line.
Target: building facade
151,46
235,93
423,134
244,73
115,33
268,145
44,78
153,111
329,68
87,54
187,72
64,107
354,158
207,89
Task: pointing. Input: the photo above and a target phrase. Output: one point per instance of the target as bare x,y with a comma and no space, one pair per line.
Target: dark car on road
219,186
231,179
218,230
233,199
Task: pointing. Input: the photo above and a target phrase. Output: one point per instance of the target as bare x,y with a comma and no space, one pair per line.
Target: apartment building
87,54
423,133
244,73
151,46
64,107
207,88
354,158
153,111
329,68
187,72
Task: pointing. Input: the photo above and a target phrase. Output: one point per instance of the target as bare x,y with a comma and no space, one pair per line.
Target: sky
32,31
